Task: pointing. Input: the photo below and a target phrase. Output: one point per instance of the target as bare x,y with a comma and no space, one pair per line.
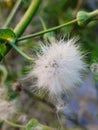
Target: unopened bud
84,17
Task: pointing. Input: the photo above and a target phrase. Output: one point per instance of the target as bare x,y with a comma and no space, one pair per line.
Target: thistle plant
58,68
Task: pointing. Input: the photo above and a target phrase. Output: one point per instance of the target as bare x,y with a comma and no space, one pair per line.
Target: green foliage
83,18
31,124
2,49
25,2
11,95
7,35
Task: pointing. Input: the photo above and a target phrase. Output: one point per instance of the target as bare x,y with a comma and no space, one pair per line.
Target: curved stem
46,31
21,26
13,124
11,15
93,14
3,69
19,29
20,52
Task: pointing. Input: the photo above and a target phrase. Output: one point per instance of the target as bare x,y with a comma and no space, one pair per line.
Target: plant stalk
13,124
19,29
12,14
93,14
46,31
21,26
20,52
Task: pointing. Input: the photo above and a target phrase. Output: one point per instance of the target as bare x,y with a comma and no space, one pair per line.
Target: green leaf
32,124
2,49
7,35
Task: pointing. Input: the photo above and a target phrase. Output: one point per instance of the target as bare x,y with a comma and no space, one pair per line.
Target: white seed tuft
59,67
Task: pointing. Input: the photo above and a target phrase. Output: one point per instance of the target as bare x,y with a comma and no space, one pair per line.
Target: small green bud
82,18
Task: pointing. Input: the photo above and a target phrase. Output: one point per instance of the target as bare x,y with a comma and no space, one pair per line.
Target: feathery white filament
58,67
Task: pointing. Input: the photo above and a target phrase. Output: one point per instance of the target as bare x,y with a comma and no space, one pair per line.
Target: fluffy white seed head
58,67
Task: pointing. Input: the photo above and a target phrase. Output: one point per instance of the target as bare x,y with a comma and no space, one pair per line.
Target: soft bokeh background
82,110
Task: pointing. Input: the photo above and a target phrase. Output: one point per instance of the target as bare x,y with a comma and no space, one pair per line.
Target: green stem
21,26
19,29
19,51
43,23
93,14
46,31
11,15
13,124
3,69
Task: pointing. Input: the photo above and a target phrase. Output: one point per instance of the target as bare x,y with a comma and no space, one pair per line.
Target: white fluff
58,67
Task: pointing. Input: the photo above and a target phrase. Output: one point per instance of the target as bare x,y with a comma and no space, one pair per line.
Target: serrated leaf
2,49
7,35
